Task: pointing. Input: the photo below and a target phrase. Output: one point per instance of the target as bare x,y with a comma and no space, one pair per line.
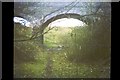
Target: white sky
66,22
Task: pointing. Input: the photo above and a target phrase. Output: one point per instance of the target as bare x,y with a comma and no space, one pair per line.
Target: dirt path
49,65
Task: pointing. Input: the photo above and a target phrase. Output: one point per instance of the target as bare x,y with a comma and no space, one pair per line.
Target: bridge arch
66,15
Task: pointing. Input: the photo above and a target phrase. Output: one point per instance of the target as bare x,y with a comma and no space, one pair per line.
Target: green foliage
91,45
88,45
29,59
83,47
85,52
24,51
21,32
56,36
31,69
61,68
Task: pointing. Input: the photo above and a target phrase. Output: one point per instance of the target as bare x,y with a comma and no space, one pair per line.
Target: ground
54,64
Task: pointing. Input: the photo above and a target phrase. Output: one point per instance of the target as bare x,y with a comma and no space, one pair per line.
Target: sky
66,22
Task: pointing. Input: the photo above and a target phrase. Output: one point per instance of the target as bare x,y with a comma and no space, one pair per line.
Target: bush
90,46
24,51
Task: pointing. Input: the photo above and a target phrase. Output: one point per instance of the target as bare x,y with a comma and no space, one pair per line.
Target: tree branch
23,40
60,9
34,35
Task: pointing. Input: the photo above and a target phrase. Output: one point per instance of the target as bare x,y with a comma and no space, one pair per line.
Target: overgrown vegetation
79,52
24,51
91,46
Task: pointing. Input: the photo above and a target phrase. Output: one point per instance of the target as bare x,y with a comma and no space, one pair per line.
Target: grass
34,69
61,68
